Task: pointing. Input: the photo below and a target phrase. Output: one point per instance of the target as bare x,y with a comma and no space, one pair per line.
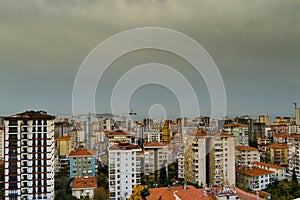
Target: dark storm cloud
255,44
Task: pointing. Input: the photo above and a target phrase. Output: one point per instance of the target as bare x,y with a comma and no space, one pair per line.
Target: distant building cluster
218,155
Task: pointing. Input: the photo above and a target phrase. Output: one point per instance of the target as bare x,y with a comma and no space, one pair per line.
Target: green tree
101,194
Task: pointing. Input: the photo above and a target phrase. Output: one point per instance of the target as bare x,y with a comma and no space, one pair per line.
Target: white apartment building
246,155
152,136
253,177
279,172
29,156
124,167
180,158
294,154
1,143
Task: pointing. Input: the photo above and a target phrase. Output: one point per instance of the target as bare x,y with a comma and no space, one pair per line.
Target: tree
139,192
101,194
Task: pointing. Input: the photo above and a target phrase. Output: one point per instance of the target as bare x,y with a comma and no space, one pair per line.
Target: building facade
155,156
240,132
253,177
279,172
246,155
29,156
82,163
209,159
124,167
277,154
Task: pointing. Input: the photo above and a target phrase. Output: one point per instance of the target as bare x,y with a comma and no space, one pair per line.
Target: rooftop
191,193
278,146
82,152
296,136
30,115
118,132
85,183
65,137
124,146
235,125
281,135
253,171
268,165
246,148
153,144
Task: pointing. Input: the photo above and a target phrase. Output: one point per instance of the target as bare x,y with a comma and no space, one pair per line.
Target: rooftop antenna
295,104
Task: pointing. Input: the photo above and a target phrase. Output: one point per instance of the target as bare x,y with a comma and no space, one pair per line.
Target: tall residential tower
29,156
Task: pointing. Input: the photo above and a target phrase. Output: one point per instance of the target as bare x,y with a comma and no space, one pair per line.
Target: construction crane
131,112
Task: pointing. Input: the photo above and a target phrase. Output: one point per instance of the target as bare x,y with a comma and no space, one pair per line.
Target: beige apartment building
246,155
209,158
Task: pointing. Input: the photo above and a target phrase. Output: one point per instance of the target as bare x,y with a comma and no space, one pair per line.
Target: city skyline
255,46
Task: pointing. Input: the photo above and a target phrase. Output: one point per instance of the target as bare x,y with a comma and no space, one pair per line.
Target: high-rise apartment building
124,167
155,156
240,132
294,154
297,110
1,143
29,156
209,159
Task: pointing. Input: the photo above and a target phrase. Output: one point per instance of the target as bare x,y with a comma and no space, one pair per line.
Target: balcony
13,165
11,158
13,130
12,152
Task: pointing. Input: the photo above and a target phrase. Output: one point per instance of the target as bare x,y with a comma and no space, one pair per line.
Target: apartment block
253,177
240,132
1,143
246,155
82,163
209,158
294,154
29,156
84,187
64,146
277,154
155,156
180,158
124,167
278,172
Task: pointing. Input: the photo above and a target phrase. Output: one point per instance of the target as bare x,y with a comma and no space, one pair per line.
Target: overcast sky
255,44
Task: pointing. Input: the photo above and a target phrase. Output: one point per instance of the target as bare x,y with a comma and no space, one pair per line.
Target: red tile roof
253,171
281,135
65,137
124,146
112,133
84,183
154,144
246,196
268,165
235,125
246,148
191,193
82,152
294,136
278,146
